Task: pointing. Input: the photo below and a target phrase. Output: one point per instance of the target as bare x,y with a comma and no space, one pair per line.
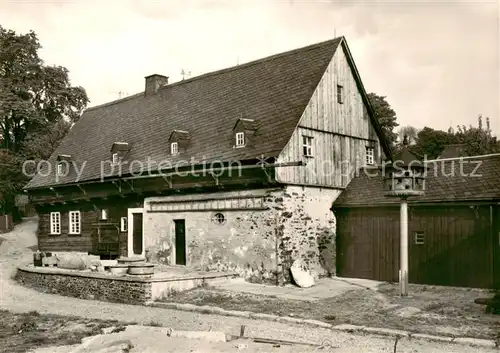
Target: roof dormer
64,157
118,151
178,141
63,164
120,147
243,132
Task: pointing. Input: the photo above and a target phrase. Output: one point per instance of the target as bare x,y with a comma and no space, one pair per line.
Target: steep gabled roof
450,180
273,91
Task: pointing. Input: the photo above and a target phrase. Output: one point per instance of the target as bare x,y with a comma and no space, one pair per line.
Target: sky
437,62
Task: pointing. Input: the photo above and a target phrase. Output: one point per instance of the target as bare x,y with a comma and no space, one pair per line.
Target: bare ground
24,332
429,309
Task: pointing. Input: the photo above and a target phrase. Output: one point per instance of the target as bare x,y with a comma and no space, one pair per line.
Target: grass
429,309
27,331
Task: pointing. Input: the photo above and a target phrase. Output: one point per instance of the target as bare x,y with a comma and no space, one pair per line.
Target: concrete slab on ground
324,288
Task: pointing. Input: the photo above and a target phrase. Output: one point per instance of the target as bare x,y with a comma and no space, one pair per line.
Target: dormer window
240,139
61,169
174,148
119,151
63,163
244,133
179,141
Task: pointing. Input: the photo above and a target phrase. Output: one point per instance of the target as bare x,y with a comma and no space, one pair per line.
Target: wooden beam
130,183
82,189
268,174
54,191
216,178
168,179
118,184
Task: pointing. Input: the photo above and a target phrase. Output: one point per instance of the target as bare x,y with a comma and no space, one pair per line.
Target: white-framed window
174,148
340,94
114,158
104,214
307,143
55,222
123,224
61,169
75,222
240,139
370,155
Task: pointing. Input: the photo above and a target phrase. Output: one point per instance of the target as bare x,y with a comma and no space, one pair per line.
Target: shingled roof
273,92
451,180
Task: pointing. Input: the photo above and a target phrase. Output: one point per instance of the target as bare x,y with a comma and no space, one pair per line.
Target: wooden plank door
180,242
496,247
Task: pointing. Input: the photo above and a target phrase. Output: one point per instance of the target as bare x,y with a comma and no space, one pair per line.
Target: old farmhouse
232,170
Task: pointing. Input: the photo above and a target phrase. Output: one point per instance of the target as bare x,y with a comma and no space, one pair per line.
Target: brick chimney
154,82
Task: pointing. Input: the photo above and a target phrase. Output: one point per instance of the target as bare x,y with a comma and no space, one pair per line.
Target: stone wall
244,243
308,229
89,286
259,244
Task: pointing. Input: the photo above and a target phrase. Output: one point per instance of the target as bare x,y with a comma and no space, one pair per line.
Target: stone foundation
105,287
88,286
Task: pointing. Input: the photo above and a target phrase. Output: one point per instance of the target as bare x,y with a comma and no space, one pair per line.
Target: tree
431,143
478,140
33,97
41,144
38,106
409,131
386,116
11,179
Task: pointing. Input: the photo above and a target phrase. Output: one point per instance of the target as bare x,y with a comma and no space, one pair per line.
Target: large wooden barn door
455,247
451,246
495,211
366,244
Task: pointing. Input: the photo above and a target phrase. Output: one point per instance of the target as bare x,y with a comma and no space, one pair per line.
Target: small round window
219,218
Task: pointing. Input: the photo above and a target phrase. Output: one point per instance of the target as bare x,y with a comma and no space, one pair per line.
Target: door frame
174,247
130,231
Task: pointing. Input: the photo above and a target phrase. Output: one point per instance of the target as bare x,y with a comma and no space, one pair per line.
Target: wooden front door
137,233
180,242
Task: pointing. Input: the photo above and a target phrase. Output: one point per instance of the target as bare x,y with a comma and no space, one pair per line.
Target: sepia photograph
282,176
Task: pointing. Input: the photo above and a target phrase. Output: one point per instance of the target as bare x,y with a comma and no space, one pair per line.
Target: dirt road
15,249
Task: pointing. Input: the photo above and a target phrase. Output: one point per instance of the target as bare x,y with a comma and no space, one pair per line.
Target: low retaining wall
119,289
